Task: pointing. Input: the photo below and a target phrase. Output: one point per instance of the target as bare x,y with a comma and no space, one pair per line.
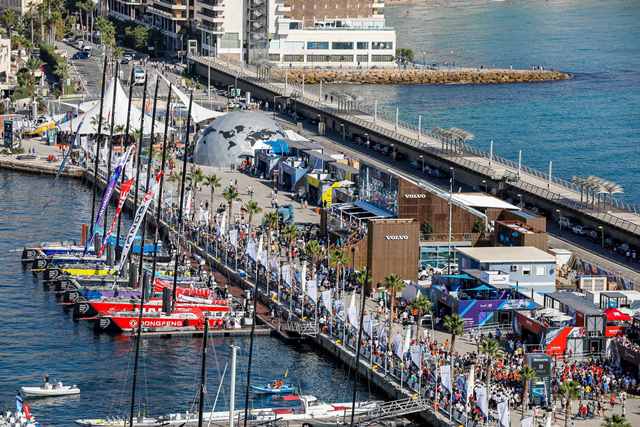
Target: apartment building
291,33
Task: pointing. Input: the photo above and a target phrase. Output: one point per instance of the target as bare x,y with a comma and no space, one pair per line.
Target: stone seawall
418,76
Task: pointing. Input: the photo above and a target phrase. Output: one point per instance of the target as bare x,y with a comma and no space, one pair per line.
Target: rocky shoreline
418,76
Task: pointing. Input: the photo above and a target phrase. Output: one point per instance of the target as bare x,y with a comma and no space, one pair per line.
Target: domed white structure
234,136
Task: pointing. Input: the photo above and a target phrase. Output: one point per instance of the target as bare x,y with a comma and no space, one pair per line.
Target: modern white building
359,42
297,33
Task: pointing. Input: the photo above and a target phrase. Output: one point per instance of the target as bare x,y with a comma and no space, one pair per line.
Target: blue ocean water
587,125
38,336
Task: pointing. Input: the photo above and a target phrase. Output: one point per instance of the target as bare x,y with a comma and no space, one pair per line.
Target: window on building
381,45
362,45
526,270
362,58
317,45
318,58
293,58
342,45
274,57
294,25
341,58
540,271
382,58
514,268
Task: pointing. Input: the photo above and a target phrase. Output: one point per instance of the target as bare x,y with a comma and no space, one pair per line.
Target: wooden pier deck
244,331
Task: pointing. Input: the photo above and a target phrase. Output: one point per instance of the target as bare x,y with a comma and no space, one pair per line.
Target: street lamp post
484,184
520,200
453,177
559,218
601,228
421,157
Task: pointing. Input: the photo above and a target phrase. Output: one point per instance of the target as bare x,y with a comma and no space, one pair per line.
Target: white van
138,76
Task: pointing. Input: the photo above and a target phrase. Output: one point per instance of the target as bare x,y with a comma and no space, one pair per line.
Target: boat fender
104,322
40,264
73,296
29,254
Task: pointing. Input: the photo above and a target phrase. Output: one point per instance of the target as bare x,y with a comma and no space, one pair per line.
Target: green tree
422,305
491,349
107,32
569,390
290,232
527,374
363,279
337,259
313,250
454,324
404,56
230,195
252,209
270,221
393,284
9,19
196,177
616,420
212,181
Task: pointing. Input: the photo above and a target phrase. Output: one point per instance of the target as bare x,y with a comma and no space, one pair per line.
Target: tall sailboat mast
125,138
111,125
159,207
180,209
96,163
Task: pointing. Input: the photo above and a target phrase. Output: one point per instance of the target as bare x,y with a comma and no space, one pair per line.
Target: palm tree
337,259
363,279
393,284
454,324
528,375
423,306
230,195
313,250
569,390
290,233
212,181
252,209
616,420
491,349
196,176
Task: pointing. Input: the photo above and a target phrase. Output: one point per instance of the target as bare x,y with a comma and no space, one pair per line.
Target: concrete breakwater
418,76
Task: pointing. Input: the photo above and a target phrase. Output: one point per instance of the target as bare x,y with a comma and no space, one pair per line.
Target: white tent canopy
87,123
199,113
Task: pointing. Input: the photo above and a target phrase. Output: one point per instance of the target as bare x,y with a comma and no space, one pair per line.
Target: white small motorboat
48,389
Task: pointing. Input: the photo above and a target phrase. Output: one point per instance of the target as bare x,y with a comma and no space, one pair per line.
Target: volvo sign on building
393,247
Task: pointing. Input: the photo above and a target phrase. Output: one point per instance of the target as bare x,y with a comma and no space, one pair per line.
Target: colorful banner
326,300
125,188
137,221
352,312
445,376
106,196
483,400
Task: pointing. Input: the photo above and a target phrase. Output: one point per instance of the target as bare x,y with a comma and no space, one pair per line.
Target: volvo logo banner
397,237
415,196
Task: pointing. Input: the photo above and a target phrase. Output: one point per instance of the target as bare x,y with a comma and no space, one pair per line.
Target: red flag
125,188
26,410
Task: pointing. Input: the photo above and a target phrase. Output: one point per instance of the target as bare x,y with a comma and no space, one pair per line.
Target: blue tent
279,146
